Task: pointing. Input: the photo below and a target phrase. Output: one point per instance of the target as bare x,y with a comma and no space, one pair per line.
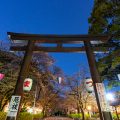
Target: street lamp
110,97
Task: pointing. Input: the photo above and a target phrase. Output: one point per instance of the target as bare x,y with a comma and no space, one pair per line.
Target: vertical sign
102,98
14,105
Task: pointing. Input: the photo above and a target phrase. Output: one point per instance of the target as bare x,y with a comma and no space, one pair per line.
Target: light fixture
110,97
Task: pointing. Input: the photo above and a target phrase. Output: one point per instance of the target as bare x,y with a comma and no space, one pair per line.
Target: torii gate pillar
96,79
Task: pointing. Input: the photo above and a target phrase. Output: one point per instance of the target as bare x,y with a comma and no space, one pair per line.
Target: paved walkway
57,118
65,118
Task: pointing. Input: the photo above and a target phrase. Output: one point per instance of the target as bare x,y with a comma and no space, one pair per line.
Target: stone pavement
65,118
57,118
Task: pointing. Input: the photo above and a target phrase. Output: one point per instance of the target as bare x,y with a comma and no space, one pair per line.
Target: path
57,118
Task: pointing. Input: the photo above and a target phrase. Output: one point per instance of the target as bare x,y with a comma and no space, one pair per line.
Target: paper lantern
27,85
89,85
118,76
1,76
59,80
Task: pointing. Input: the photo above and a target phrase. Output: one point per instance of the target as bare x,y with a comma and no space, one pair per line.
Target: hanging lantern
118,76
59,80
1,76
27,85
89,85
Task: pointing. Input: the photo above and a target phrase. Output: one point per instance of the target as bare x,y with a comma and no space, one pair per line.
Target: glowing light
30,110
110,96
89,107
34,110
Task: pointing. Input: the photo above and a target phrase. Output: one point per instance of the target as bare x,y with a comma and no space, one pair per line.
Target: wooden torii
34,44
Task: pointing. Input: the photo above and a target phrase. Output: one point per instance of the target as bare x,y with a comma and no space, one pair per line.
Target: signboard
102,98
14,105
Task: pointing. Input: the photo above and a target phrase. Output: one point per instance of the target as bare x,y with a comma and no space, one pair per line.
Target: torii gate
59,40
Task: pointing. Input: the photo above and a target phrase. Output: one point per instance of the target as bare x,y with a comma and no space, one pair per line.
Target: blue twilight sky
48,17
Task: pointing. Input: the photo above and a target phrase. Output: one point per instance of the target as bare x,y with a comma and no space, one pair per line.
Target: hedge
40,115
114,116
22,116
25,116
75,115
2,115
78,116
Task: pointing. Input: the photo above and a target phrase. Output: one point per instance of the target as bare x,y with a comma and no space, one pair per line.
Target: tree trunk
43,111
82,112
78,109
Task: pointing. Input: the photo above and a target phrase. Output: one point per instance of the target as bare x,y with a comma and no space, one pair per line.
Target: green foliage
75,115
95,115
105,19
39,115
2,115
22,116
113,84
115,116
5,99
24,109
87,116
25,116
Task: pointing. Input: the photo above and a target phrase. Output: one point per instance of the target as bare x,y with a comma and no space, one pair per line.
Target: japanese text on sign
14,105
102,98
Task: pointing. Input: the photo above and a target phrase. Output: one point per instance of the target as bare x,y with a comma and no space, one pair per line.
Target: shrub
95,115
22,116
25,116
114,116
40,115
75,115
87,116
2,115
